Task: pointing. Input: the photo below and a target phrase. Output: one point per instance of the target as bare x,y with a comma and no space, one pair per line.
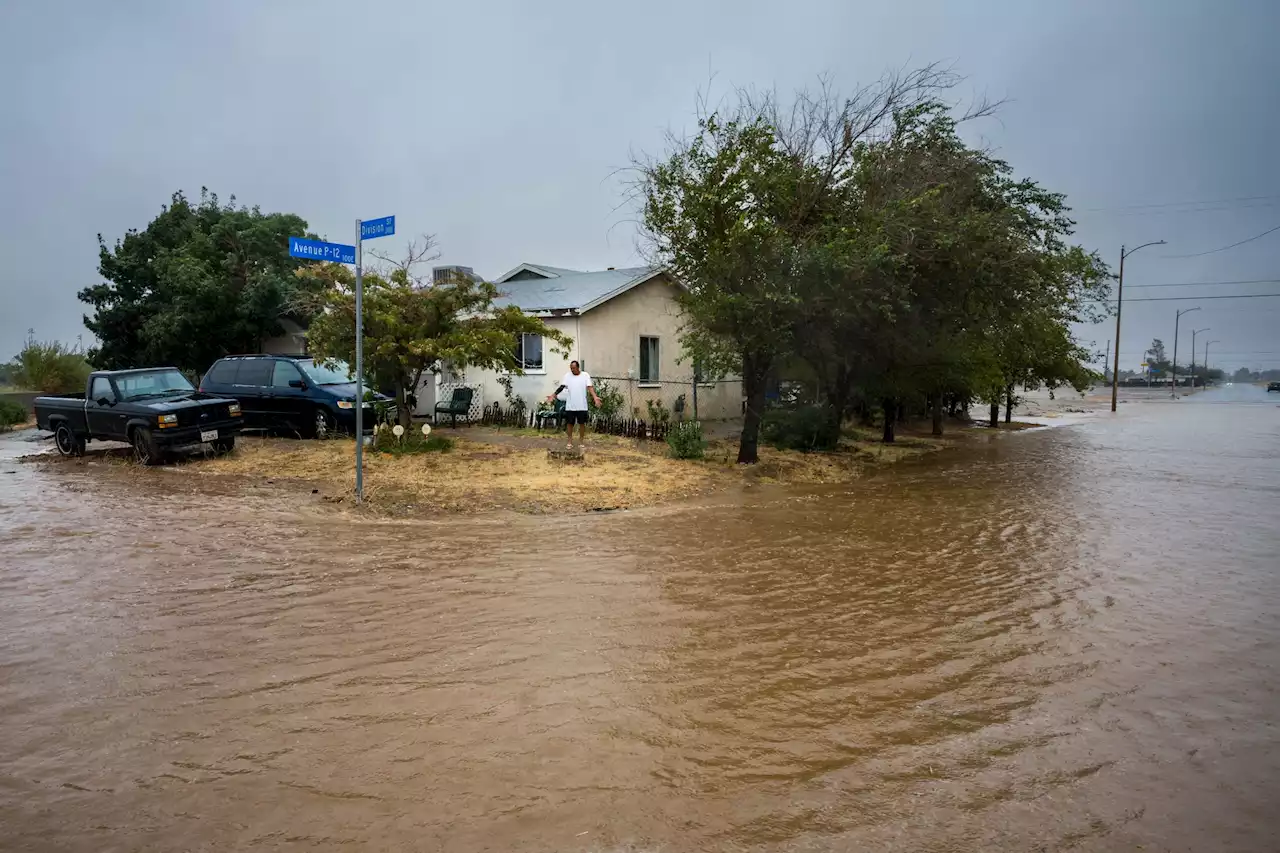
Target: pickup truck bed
155,410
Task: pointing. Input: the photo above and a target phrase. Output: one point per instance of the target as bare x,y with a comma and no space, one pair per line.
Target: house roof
567,290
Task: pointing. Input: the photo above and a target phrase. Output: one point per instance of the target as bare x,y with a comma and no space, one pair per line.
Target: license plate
209,435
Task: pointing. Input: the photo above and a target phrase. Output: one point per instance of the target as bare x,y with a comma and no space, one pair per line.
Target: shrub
10,414
685,440
658,412
611,400
806,428
50,368
384,441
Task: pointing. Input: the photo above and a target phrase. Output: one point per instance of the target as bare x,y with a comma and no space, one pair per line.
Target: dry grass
510,470
477,476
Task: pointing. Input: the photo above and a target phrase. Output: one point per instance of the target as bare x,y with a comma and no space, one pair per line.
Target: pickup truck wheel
144,448
322,425
223,446
68,443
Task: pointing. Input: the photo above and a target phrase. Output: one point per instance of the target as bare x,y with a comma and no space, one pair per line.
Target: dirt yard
490,469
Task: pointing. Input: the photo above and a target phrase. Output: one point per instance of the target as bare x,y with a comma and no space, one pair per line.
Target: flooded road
1065,639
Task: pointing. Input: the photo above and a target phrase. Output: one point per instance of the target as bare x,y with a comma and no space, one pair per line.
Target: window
254,371
327,372
529,352
152,383
101,390
283,373
648,359
222,373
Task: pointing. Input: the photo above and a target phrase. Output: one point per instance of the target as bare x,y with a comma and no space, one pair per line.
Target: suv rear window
254,371
222,373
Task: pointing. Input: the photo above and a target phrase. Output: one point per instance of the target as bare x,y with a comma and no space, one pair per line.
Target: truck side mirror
297,383
103,401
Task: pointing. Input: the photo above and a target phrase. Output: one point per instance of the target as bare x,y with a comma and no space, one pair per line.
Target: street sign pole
318,250
359,365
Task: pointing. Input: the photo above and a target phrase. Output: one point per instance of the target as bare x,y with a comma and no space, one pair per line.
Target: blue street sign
384,227
318,250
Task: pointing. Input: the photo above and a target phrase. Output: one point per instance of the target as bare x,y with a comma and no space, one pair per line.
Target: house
625,325
292,339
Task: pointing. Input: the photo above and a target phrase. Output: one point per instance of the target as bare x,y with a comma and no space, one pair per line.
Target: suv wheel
322,426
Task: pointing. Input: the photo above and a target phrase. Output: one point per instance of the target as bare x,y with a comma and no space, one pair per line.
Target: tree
413,326
983,285
740,214
49,367
1157,360
1243,374
201,281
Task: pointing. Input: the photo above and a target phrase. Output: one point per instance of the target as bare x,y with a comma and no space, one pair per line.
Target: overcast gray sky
499,126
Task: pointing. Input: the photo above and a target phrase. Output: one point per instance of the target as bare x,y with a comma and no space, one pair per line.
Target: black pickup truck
154,409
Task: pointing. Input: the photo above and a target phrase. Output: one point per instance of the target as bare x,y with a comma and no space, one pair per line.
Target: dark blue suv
291,392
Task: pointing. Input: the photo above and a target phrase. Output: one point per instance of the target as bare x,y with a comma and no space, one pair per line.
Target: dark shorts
575,417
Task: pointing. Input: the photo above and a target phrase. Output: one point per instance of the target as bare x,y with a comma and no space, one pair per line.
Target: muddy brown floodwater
1061,639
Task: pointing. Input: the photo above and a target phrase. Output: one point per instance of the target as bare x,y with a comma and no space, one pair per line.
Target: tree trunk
754,376
995,412
1008,404
839,402
404,416
936,400
890,407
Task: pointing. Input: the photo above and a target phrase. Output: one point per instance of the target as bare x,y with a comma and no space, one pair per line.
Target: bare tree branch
421,250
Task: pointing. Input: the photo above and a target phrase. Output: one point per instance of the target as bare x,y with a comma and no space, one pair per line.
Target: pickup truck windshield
334,373
152,383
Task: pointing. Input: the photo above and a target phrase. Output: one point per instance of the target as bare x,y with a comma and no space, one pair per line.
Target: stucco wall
606,340
533,385
611,341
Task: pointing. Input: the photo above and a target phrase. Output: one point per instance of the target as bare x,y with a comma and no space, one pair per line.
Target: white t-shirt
575,391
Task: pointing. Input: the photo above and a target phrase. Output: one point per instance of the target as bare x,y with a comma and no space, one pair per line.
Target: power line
1213,283
1182,298
1261,205
1184,203
1224,248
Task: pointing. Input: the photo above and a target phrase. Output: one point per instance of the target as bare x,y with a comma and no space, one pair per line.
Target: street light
1115,367
1173,389
1194,332
1206,361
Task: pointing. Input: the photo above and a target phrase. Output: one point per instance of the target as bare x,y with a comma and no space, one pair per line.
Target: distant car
1273,386
291,392
154,409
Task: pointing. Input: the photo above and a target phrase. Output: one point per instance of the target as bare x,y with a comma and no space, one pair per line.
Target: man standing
577,385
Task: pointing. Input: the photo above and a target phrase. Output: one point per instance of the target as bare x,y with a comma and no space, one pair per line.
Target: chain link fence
679,399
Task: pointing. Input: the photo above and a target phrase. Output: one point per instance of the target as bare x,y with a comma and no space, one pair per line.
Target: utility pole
1206,360
1106,359
1115,368
1194,332
1173,389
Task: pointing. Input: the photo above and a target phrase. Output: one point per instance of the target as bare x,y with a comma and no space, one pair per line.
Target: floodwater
1064,639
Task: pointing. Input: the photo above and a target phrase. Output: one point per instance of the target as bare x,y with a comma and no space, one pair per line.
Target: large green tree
742,214
946,265
414,326
202,280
